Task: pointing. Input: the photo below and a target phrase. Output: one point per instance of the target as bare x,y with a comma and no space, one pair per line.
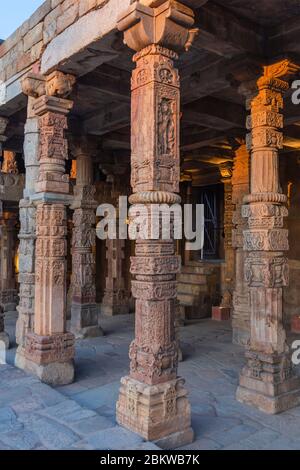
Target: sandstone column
8,291
153,400
4,338
241,295
223,312
49,349
27,222
268,380
8,221
84,314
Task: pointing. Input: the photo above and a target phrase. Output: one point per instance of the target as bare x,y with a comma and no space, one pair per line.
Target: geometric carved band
155,265
154,290
266,240
48,349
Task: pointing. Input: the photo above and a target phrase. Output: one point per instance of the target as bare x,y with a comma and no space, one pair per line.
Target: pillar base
111,310
56,373
50,357
9,300
269,383
4,346
240,337
159,413
20,358
84,321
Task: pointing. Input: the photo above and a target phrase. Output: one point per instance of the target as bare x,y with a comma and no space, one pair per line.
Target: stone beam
224,34
111,81
110,118
215,113
207,137
76,39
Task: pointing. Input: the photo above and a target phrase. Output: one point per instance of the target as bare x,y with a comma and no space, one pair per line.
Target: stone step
194,289
197,270
185,299
192,278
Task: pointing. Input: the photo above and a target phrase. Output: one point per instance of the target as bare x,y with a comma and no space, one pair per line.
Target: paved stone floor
82,415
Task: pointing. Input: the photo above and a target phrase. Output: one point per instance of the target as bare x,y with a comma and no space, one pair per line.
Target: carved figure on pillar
268,380
49,349
84,311
153,400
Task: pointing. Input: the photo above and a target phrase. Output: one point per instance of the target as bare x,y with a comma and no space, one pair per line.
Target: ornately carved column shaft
27,232
49,349
153,400
8,292
241,295
4,338
268,381
155,178
229,268
115,300
84,312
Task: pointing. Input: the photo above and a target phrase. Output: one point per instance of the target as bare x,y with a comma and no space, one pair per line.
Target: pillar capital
226,172
57,84
166,23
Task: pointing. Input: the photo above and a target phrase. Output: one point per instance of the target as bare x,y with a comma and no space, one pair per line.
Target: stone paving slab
82,415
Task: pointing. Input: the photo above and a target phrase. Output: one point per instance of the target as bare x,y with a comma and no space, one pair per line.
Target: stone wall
27,44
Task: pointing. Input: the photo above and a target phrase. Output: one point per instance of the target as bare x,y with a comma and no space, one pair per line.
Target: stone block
86,5
55,373
168,423
39,14
36,51
220,313
33,36
295,324
67,18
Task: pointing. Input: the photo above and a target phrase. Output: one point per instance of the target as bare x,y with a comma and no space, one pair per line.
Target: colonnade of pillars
153,400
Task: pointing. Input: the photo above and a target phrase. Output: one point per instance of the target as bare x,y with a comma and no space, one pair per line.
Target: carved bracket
165,23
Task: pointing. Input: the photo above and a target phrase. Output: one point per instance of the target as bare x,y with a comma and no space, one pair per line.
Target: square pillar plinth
160,413
268,382
50,358
84,321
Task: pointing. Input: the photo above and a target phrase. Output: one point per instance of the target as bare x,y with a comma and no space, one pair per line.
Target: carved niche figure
166,128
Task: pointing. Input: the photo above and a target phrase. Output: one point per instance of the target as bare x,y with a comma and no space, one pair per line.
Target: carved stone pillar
241,294
8,291
3,126
49,349
27,232
4,338
268,380
153,400
84,313
223,312
115,300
